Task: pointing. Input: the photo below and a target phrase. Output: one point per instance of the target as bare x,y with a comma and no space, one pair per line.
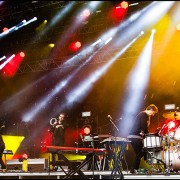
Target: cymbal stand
168,169
93,158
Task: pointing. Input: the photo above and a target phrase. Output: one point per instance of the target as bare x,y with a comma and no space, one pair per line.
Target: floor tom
172,158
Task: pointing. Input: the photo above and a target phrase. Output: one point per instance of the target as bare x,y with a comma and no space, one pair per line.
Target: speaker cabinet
33,165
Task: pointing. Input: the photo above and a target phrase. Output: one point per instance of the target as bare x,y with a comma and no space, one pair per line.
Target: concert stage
85,168
89,174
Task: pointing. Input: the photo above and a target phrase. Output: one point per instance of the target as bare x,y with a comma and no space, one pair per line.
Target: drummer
137,133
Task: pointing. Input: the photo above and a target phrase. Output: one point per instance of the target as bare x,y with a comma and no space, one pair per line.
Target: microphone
109,116
81,137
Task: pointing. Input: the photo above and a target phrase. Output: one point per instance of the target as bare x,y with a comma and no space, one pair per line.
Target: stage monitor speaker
33,165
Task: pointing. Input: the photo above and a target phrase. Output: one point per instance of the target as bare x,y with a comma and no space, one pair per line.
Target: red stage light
78,44
118,12
124,4
25,156
22,54
87,129
5,29
75,46
11,68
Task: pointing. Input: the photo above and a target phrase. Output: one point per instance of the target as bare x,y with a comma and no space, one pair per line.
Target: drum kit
163,147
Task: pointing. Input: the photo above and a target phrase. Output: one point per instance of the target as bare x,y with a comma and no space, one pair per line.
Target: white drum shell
177,134
152,141
174,154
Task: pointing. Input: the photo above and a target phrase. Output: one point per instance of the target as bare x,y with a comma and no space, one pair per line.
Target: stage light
133,4
4,57
5,29
7,61
78,44
142,32
51,45
22,54
153,30
124,4
25,156
86,13
87,129
75,46
119,11
178,27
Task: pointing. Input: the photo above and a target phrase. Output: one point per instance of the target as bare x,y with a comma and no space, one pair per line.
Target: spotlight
178,27
86,13
5,29
22,54
142,32
78,44
87,129
35,18
133,4
51,45
124,4
75,46
4,57
153,30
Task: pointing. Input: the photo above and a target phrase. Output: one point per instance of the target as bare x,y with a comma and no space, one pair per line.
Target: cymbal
172,115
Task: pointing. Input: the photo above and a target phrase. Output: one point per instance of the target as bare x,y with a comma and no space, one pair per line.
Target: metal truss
53,63
16,9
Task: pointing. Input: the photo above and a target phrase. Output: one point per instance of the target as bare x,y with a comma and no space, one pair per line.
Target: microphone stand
169,146
115,168
168,151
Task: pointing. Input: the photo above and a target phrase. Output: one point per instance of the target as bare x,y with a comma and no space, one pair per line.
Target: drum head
177,134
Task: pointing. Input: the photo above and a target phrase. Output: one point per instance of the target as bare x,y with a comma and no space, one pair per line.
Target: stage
41,168
89,174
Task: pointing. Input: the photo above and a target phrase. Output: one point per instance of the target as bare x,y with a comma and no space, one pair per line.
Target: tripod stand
118,152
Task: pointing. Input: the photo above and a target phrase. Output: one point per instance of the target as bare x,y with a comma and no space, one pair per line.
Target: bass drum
177,134
174,154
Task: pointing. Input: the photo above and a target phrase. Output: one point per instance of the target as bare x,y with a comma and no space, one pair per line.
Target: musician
137,133
58,129
2,147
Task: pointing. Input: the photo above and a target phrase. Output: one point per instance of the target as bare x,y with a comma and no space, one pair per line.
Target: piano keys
57,149
92,154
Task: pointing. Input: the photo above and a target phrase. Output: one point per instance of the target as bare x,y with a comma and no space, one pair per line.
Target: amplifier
33,165
14,164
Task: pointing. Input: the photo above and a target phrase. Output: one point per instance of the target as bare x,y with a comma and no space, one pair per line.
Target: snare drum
152,141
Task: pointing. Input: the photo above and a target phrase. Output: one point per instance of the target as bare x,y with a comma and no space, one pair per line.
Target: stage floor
89,174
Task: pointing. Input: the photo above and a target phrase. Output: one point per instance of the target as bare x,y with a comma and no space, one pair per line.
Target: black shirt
58,138
140,124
